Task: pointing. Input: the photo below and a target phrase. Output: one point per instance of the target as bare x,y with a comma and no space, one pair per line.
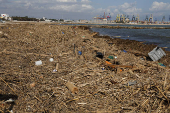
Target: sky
85,9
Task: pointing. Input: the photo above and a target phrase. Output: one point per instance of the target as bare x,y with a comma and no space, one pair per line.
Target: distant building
48,20
68,21
83,21
105,19
5,16
44,18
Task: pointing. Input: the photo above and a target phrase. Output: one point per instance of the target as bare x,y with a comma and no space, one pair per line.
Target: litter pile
57,68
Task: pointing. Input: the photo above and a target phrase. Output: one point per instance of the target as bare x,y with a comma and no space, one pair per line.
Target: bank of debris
57,68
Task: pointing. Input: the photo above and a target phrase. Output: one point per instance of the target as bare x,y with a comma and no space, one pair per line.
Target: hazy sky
85,9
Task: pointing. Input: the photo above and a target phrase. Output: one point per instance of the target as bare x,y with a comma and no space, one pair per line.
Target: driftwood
118,66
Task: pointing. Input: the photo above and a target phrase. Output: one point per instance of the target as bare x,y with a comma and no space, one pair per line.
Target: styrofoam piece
51,59
156,54
37,63
10,100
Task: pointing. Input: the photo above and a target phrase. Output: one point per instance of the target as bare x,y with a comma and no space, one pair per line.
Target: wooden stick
144,103
136,92
157,111
116,66
38,99
162,94
165,79
8,85
154,103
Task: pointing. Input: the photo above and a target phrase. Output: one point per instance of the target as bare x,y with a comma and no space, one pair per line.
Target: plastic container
38,63
156,54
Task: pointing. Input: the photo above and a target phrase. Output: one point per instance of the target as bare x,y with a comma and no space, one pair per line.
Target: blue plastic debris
80,53
124,51
161,64
62,32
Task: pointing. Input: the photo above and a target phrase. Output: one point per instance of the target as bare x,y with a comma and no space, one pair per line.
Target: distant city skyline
85,9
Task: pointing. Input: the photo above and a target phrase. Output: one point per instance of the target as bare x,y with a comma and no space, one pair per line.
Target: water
160,37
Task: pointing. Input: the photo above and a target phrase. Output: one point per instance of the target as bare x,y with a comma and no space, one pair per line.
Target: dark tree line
26,18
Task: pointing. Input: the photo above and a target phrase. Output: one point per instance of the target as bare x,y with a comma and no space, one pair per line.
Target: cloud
126,8
69,8
85,1
129,8
54,5
160,6
3,1
66,0
86,6
75,7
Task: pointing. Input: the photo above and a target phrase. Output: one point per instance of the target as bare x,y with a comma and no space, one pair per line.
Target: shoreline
140,48
129,27
43,22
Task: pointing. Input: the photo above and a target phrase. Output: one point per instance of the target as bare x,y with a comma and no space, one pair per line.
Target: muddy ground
78,79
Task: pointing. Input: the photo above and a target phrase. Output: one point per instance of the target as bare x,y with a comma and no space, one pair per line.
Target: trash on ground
51,59
32,85
55,70
156,54
116,66
72,87
10,100
57,66
130,83
79,52
108,62
161,64
111,57
119,70
125,51
38,63
99,55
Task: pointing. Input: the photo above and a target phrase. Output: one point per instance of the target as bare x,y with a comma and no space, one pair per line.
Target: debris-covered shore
60,68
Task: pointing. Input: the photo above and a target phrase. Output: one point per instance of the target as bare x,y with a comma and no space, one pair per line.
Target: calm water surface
160,37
